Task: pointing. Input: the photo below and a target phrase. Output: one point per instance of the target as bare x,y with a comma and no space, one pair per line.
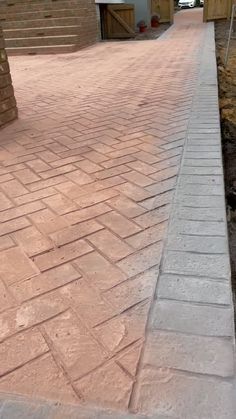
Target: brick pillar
8,109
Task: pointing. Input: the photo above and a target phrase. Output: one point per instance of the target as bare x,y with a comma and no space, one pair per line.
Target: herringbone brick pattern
86,183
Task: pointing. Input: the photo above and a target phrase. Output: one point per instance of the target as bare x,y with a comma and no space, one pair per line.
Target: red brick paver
87,177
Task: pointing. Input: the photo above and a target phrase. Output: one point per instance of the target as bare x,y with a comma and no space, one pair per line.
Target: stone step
31,7
41,41
12,3
40,23
39,15
41,31
47,49
37,26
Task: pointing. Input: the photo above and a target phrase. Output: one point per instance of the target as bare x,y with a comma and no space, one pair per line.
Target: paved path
91,180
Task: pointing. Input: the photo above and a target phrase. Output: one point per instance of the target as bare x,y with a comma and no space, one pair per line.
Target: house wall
99,34
142,10
88,31
8,110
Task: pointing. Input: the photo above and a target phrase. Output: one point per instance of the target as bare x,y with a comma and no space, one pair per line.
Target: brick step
31,7
47,49
7,104
39,15
40,23
41,41
12,3
41,31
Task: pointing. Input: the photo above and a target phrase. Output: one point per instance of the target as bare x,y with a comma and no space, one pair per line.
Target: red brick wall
8,110
88,26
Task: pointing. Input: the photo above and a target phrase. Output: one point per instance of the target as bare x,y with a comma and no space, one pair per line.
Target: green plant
141,24
156,18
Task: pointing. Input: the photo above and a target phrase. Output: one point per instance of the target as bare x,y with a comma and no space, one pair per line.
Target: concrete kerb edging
19,407
207,78
197,253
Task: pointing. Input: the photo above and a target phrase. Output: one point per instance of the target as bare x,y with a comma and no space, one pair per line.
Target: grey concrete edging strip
19,407
192,321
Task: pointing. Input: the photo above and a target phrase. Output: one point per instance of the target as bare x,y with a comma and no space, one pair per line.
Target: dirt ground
227,94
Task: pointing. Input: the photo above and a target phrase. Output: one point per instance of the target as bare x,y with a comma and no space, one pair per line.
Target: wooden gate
217,9
118,21
164,8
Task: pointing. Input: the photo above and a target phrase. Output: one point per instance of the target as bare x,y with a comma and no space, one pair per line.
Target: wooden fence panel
119,21
217,9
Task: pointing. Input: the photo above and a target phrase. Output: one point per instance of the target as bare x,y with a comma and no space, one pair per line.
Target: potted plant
155,20
142,26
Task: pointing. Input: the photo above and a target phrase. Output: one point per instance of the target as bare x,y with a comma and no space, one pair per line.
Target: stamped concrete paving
89,188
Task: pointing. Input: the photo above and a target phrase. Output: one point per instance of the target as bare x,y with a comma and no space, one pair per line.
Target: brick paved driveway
87,178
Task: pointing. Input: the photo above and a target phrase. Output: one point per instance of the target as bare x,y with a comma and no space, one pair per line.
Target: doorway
212,9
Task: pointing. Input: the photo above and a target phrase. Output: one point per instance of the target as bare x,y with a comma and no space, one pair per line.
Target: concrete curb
192,321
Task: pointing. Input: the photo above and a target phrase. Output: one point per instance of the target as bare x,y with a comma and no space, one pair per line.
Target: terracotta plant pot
154,23
155,20
142,29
